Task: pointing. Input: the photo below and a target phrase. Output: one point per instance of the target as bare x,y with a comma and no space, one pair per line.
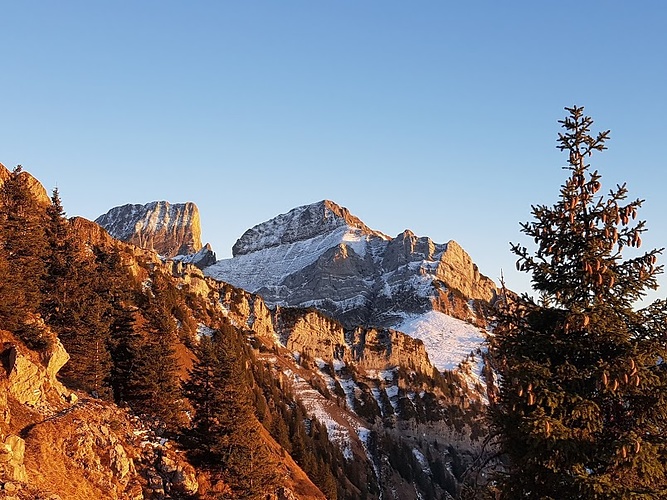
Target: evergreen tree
582,406
152,386
22,243
81,318
224,427
125,346
66,265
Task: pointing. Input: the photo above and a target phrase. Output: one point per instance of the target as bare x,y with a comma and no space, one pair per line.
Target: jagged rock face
90,232
314,334
95,450
12,454
457,270
321,256
203,258
168,229
300,224
319,337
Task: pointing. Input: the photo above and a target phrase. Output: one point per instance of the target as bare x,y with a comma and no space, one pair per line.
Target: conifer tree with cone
581,410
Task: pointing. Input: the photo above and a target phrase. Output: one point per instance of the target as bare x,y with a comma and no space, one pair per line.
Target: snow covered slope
447,340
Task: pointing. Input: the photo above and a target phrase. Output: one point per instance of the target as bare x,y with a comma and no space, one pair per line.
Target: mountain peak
299,224
169,229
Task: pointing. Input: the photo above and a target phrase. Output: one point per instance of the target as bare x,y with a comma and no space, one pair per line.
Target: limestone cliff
168,229
319,337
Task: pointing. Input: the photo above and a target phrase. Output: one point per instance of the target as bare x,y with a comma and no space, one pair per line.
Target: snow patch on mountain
270,266
317,406
447,340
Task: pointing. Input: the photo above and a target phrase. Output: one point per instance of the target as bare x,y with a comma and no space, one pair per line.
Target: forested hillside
133,339
184,387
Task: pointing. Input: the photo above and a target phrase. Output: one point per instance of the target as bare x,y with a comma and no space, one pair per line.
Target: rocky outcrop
12,454
168,229
34,186
95,450
375,349
180,474
367,348
203,258
457,270
28,380
91,232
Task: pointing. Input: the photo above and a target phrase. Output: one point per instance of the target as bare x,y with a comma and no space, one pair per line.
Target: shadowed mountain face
321,256
168,229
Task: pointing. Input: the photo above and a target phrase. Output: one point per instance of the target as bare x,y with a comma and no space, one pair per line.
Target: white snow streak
447,340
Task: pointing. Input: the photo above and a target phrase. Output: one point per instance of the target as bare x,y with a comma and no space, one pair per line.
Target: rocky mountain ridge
354,380
34,185
321,256
169,229
300,224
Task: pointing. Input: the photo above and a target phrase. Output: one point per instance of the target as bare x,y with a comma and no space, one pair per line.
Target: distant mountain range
322,256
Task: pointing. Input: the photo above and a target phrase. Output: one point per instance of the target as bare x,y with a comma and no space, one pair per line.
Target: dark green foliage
66,265
81,319
226,434
23,248
305,439
365,405
152,386
582,408
125,348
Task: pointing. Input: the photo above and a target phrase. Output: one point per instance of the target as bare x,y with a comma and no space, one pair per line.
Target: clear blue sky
436,116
